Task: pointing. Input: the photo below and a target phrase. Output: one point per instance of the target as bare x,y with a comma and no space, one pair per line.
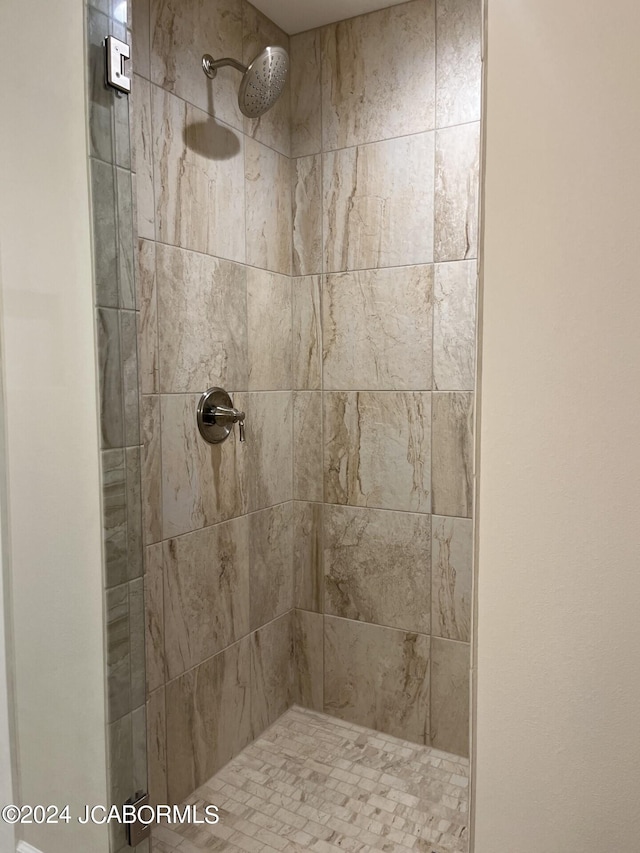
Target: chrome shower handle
216,416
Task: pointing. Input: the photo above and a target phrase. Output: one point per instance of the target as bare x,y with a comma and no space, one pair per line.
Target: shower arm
210,65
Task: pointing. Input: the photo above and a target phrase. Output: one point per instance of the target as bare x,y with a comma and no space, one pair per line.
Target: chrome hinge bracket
117,53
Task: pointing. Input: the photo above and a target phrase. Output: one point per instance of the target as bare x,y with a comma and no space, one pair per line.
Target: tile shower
320,264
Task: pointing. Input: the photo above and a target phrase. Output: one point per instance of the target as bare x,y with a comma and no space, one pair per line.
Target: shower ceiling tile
180,34
377,329
206,593
377,449
377,566
378,75
294,16
194,153
272,128
393,695
202,322
378,204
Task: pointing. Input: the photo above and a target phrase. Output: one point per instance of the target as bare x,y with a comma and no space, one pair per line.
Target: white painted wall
48,331
558,630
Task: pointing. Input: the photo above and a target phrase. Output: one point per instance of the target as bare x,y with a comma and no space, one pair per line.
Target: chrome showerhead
262,80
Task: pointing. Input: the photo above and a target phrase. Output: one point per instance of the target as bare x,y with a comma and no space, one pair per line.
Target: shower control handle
216,416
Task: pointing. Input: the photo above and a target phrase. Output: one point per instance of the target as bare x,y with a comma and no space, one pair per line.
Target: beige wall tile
307,446
140,22
154,617
450,663
202,483
309,642
206,593
142,156
148,317
202,322
208,719
378,75
274,127
270,450
198,179
377,567
307,214
456,192
307,344
270,563
306,130
451,566
452,454
157,748
268,208
393,695
377,447
180,34
151,468
269,330
308,555
378,204
454,326
272,673
377,328
459,69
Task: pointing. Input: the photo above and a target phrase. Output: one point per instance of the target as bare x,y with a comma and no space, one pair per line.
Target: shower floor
312,782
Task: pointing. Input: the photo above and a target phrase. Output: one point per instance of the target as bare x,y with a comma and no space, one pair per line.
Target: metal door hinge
138,831
117,54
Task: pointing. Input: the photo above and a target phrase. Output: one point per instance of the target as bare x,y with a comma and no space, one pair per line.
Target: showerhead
262,80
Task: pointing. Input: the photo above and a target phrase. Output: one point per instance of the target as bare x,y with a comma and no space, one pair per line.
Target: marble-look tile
377,447
378,204
148,317
270,450
377,567
121,125
181,32
154,616
114,522
105,254
208,718
308,639
454,326
269,330
151,468
307,345
157,747
134,513
126,275
110,378
202,483
118,652
268,208
272,128
119,742
130,377
452,454
456,192
306,105
198,178
142,156
100,118
451,567
379,75
272,672
377,327
307,215
307,446
139,748
459,68
202,322
270,563
308,555
377,677
136,642
141,37
206,593
450,664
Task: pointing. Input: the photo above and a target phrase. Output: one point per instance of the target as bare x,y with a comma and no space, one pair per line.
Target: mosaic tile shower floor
312,782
